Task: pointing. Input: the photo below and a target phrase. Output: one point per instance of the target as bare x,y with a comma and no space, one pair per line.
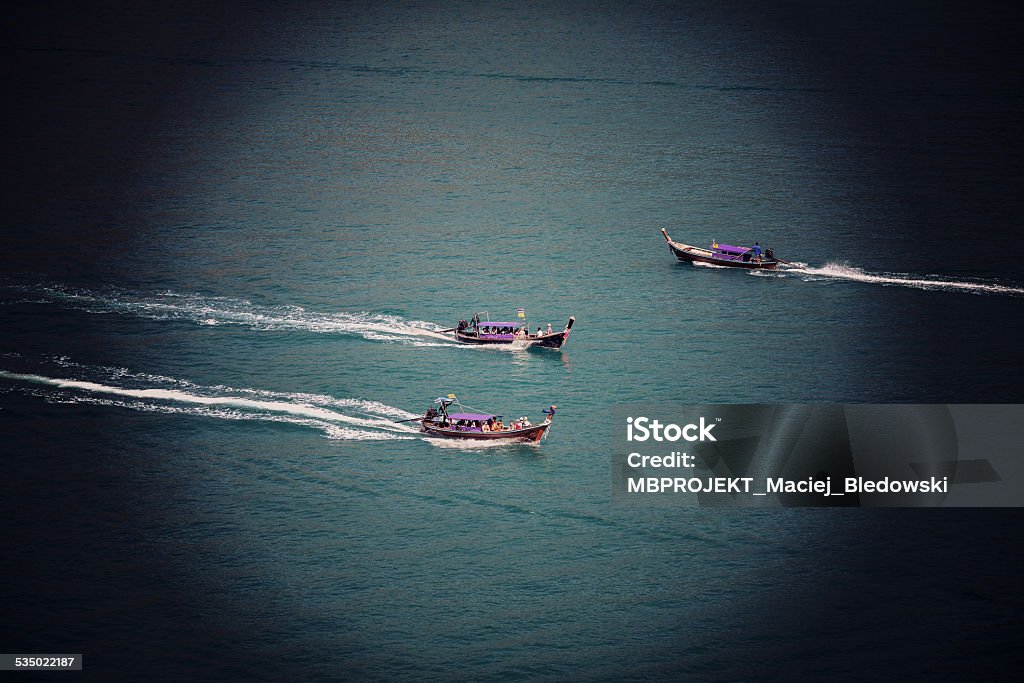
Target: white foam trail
839,271
432,333
331,431
211,311
323,400
183,397
123,374
286,408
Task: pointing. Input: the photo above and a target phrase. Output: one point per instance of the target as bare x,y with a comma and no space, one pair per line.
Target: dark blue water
234,234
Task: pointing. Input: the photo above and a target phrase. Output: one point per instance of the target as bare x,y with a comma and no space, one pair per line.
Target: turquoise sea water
226,276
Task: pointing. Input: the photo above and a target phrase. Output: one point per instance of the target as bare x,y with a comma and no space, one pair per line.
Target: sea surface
233,238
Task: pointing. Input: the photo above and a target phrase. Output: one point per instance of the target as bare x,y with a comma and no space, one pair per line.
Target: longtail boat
724,254
483,331
481,426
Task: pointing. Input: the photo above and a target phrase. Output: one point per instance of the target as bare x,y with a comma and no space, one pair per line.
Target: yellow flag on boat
521,313
451,396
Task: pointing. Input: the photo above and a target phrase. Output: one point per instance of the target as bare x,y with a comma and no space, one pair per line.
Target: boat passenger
539,332
549,328
757,251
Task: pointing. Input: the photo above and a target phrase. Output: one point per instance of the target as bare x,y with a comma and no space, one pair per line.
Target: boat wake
213,310
351,419
839,271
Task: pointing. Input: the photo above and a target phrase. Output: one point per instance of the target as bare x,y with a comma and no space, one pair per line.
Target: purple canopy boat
725,255
484,331
481,426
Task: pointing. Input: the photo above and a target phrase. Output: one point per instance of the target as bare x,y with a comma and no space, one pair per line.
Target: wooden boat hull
692,254
533,433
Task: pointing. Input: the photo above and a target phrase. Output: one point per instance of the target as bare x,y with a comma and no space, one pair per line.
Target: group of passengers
496,425
524,330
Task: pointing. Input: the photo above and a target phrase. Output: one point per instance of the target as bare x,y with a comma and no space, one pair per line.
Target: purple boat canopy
491,323
470,416
730,248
